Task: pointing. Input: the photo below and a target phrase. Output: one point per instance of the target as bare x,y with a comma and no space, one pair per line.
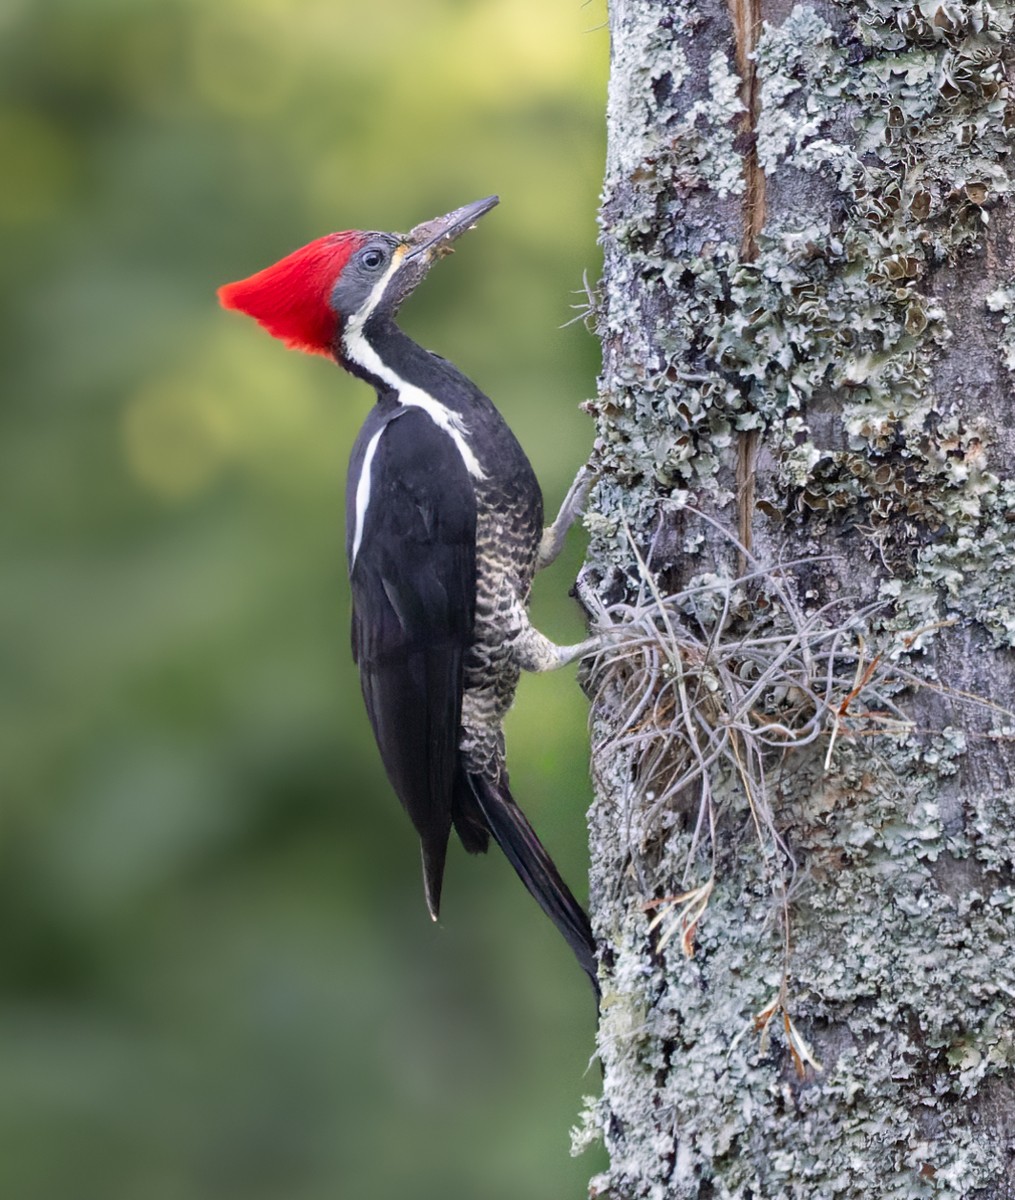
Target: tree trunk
803,534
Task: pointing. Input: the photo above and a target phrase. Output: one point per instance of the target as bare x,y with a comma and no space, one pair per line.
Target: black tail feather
535,868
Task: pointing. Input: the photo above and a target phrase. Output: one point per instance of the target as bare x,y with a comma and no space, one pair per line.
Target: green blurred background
217,975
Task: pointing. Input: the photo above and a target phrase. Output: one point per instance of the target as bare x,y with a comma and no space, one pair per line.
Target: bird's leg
553,535
533,651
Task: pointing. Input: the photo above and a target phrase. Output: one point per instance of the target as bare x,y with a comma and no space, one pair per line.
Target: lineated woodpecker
444,534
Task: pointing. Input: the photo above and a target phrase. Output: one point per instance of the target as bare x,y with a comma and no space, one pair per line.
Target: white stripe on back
363,494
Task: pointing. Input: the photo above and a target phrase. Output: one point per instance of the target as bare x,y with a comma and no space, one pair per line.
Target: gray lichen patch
803,74
969,574
1002,301
675,134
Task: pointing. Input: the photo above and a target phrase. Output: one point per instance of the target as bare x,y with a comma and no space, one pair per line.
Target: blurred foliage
218,975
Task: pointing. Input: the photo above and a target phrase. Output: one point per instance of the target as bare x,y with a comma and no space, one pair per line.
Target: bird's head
310,297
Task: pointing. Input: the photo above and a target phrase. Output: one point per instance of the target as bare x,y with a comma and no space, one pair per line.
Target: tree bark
803,538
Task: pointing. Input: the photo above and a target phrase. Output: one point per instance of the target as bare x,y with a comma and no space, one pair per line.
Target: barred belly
507,540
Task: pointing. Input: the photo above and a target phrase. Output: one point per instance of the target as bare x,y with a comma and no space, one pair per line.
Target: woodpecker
444,533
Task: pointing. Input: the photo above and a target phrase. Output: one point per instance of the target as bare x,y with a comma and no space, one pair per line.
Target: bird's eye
372,258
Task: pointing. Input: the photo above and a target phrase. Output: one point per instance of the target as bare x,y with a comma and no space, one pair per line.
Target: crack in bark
746,18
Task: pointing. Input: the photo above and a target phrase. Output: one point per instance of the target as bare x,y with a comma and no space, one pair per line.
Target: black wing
411,540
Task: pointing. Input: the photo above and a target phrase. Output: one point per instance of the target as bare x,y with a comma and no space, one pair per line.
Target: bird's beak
427,243
433,239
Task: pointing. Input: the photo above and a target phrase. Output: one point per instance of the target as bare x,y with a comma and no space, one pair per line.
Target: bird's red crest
290,298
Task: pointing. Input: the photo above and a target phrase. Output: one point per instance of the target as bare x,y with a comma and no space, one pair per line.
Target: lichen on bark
807,385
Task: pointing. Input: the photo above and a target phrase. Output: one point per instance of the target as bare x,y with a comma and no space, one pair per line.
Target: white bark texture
803,534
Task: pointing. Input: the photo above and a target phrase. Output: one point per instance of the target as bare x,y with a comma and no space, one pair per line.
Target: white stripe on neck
359,351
